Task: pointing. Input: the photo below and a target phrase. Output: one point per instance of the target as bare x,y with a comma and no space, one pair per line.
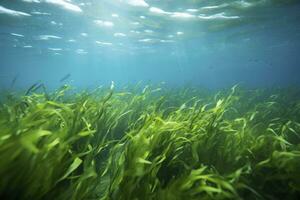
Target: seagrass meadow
149,100
150,143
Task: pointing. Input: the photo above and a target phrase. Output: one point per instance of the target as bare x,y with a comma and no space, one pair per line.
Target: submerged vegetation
150,143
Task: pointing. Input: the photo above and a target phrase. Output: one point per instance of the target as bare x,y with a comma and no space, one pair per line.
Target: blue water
211,44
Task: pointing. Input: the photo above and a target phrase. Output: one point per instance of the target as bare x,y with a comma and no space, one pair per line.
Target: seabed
150,143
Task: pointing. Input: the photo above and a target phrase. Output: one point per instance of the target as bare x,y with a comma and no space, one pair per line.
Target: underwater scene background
149,99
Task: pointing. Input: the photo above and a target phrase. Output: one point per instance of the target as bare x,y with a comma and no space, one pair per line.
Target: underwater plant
149,143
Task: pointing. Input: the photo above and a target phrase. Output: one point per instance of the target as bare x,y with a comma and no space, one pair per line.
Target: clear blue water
212,43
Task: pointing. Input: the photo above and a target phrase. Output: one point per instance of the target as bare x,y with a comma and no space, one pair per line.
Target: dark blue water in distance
212,44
